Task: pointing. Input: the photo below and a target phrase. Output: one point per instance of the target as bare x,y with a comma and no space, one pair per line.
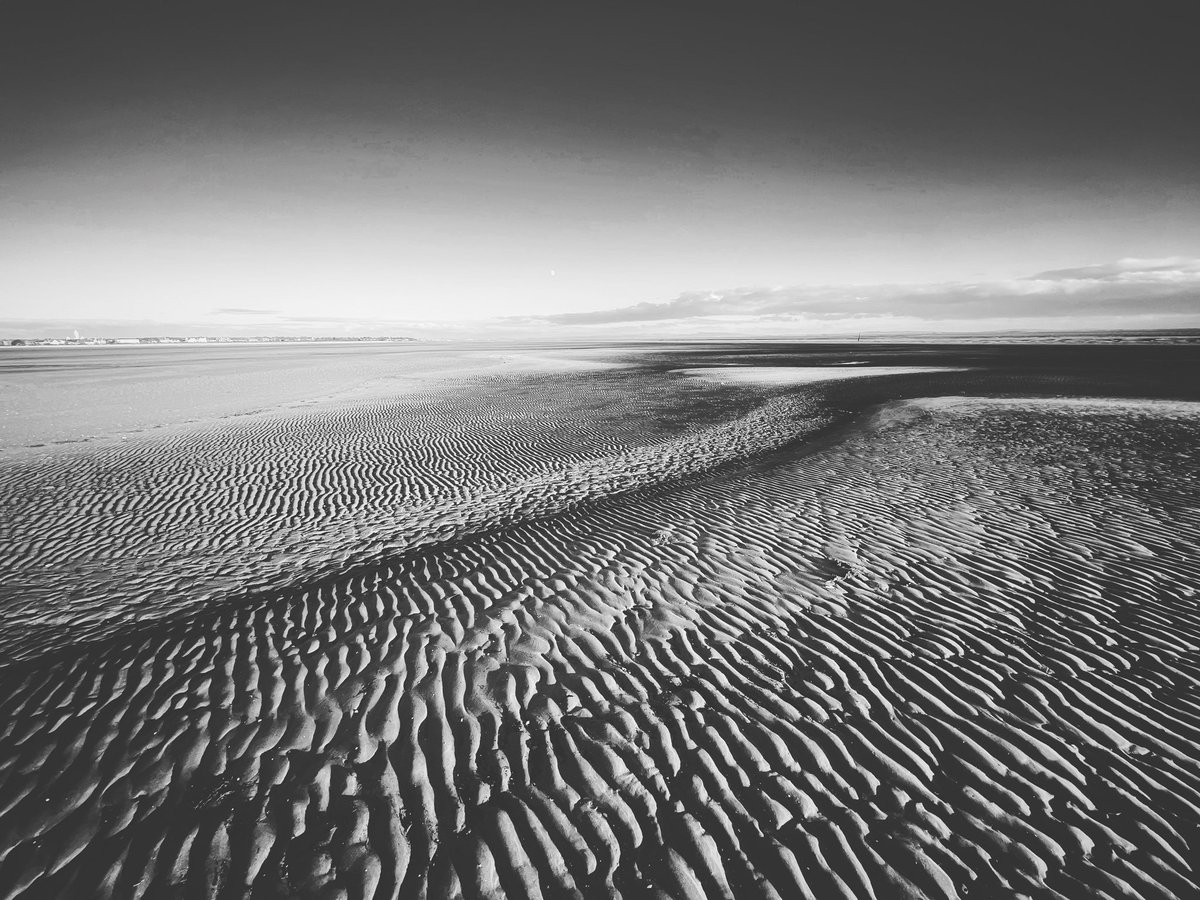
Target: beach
672,621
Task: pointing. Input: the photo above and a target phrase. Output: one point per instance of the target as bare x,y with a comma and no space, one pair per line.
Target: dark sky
429,161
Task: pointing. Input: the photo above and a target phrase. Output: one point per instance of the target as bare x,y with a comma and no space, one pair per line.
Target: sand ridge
103,536
952,655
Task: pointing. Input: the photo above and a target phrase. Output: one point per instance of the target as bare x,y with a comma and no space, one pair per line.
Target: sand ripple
954,655
98,539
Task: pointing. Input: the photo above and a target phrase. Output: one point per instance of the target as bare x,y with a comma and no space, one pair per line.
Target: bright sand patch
785,375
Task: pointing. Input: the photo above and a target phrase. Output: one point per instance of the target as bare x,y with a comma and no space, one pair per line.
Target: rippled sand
615,631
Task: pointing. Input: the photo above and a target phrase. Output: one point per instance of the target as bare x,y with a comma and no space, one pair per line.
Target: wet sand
561,629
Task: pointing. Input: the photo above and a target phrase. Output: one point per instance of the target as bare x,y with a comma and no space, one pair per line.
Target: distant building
91,341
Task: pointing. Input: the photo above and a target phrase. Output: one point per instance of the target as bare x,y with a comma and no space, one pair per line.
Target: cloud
1127,293
1125,269
1136,289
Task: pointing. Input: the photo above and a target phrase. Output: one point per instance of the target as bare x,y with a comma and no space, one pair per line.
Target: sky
652,168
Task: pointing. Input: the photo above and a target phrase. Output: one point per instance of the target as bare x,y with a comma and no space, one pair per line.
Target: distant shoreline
1161,337
193,342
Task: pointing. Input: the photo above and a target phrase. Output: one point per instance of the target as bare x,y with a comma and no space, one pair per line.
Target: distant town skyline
79,341
653,168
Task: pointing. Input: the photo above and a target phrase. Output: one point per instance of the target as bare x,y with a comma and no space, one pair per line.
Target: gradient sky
273,167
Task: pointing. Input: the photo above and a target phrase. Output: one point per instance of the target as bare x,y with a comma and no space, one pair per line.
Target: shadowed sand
950,651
